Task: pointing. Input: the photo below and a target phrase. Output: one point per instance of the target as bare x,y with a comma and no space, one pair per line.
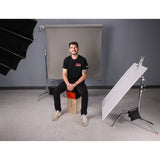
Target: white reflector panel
121,88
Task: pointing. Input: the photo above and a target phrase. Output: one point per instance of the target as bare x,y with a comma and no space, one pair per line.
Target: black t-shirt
75,67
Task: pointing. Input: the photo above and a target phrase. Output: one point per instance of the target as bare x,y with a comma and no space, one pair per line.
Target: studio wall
124,41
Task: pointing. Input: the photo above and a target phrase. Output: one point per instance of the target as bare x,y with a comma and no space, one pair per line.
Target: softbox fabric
3,69
9,59
23,27
14,43
16,36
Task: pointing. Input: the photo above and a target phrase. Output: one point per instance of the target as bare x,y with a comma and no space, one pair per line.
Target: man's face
73,49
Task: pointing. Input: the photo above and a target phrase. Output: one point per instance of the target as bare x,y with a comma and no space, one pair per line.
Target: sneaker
57,115
84,120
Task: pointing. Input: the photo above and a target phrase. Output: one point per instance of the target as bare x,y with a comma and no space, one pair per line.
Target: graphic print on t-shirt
78,64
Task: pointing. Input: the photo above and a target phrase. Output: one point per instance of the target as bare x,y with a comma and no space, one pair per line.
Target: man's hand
70,87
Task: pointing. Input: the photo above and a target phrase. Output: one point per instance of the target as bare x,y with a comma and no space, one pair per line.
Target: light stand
47,90
135,113
42,28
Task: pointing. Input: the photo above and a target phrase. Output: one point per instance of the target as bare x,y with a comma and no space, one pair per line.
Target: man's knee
59,89
84,93
82,89
56,91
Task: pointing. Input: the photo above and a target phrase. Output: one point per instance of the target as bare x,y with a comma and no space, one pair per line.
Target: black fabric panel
14,43
23,27
4,70
15,37
9,59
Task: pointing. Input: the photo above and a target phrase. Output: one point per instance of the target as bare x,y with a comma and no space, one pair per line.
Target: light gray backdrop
89,38
123,42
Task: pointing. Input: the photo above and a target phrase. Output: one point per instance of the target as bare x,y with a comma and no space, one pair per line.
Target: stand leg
154,128
134,114
118,118
43,95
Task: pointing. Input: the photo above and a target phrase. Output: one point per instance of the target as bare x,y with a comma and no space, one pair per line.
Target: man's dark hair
74,43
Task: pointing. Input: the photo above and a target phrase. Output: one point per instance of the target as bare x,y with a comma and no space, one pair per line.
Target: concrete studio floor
23,118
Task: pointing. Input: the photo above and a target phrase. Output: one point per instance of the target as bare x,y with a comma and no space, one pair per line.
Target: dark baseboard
110,87
89,87
23,88
148,86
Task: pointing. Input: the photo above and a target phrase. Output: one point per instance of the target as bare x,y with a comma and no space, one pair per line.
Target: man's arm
65,77
82,78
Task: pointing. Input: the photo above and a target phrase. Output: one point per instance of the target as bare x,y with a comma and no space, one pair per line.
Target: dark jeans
81,88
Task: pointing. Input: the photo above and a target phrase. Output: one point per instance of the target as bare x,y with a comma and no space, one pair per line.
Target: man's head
73,48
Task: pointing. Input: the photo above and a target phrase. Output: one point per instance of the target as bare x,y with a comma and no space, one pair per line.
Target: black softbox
15,37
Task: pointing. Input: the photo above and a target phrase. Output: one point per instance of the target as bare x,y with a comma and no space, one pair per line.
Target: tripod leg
154,128
118,118
43,95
